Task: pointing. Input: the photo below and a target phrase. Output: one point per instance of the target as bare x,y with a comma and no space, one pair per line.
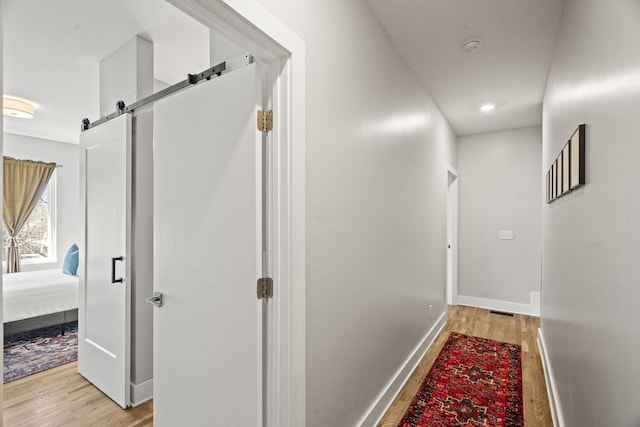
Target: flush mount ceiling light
16,107
471,45
487,107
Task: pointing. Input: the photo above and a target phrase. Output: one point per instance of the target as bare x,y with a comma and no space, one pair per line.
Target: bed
36,299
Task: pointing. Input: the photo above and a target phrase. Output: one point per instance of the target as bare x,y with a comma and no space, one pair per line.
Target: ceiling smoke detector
471,45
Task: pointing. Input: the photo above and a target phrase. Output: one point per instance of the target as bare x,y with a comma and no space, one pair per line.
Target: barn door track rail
191,80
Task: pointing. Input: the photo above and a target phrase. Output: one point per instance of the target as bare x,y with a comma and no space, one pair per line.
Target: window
36,240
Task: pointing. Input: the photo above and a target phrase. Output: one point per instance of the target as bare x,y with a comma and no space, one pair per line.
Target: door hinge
265,288
265,120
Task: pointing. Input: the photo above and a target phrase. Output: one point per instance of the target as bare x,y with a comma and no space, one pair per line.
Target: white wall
591,237
222,49
67,187
376,147
500,190
126,74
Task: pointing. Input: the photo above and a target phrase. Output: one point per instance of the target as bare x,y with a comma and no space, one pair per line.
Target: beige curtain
24,182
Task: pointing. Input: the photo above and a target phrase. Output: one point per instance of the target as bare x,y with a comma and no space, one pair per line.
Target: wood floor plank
62,397
518,329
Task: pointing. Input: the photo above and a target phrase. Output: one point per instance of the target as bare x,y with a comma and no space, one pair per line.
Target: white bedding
36,293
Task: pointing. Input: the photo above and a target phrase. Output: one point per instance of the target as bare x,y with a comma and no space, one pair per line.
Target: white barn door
207,254
104,320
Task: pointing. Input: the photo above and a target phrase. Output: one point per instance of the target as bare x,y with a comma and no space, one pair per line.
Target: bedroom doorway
274,45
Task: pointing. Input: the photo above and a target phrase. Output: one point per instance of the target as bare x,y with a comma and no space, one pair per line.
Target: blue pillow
71,260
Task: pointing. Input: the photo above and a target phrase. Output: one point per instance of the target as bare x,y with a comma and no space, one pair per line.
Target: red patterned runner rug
473,382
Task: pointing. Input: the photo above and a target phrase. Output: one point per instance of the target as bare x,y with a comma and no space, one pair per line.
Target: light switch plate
505,235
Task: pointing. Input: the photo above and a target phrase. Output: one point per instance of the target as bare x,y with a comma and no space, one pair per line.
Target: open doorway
452,234
74,41
274,45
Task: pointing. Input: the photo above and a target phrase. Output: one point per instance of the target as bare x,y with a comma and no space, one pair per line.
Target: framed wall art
561,189
567,172
577,150
566,168
558,187
554,187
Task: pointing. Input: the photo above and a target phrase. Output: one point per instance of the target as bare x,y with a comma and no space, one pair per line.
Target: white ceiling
509,69
52,50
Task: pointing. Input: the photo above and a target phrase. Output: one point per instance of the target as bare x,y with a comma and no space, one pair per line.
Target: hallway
518,329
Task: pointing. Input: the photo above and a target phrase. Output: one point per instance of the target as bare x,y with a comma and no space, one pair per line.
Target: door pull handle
156,300
113,270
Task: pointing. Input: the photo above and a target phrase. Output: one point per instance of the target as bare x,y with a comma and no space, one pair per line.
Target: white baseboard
384,400
552,391
535,303
142,392
532,309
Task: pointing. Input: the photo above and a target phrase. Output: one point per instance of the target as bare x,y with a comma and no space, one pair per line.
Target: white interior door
452,237
207,256
104,320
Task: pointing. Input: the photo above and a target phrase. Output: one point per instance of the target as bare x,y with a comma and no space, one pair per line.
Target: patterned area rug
36,351
473,382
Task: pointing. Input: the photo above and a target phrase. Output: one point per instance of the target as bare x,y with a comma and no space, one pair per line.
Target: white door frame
452,215
250,25
1,198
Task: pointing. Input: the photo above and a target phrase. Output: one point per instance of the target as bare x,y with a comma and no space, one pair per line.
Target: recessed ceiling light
15,107
471,45
487,107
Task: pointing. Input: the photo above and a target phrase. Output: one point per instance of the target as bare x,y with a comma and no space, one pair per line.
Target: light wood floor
61,397
519,329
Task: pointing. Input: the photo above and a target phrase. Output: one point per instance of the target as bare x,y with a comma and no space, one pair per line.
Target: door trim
452,221
254,28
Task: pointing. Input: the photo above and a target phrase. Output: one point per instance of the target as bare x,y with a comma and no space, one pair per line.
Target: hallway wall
376,147
591,237
500,190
